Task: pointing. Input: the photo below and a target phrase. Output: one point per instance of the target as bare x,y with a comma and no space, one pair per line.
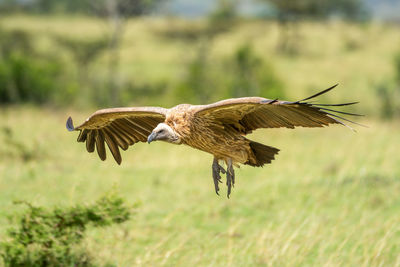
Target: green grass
331,198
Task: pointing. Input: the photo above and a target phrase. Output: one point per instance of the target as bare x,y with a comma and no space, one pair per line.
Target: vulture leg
216,170
230,175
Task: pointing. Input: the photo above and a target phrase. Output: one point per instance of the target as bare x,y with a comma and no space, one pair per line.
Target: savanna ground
331,198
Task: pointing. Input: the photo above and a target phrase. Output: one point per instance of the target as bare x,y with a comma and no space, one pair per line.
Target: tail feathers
263,154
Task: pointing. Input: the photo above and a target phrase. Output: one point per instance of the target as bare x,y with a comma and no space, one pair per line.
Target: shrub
28,79
26,76
52,237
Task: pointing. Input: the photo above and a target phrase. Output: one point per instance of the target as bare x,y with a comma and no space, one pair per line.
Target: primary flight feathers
217,128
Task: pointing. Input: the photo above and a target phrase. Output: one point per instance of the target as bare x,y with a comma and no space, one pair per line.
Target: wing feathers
341,112
256,112
90,142
101,150
140,126
82,136
318,94
70,124
112,145
122,135
336,105
123,128
141,133
118,127
117,137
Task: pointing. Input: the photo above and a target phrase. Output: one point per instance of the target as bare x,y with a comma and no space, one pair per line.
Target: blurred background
137,52
330,199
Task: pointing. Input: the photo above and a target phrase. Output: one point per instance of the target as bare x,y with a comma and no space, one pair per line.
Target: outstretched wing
118,127
249,113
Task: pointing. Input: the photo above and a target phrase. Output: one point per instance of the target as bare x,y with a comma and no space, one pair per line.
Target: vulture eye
161,131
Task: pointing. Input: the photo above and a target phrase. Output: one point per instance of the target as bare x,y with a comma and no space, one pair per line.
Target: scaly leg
230,175
216,170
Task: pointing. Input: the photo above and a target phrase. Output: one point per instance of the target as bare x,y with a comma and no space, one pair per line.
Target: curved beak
151,137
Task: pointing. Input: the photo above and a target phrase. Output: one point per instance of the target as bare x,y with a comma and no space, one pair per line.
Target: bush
52,237
26,76
27,79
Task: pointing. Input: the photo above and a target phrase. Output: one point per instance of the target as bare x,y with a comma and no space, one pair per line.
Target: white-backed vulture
217,128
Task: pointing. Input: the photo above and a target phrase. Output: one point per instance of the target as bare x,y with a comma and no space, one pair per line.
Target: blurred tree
302,9
223,17
84,52
202,83
388,102
199,85
397,68
289,12
116,12
25,75
252,76
15,41
218,21
126,7
244,73
388,93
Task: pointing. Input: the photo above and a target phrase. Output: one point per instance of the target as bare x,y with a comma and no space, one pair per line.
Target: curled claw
221,169
230,176
216,169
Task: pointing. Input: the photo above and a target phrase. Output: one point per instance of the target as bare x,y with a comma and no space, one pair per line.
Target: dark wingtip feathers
70,124
318,94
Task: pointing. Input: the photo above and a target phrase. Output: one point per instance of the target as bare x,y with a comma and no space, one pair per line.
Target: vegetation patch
44,237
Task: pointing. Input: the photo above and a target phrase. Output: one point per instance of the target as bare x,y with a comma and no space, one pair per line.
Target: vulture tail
263,154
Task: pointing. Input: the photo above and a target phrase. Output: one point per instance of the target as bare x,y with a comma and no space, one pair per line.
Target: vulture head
164,132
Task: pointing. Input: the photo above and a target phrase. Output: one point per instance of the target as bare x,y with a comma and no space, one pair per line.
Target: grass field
331,198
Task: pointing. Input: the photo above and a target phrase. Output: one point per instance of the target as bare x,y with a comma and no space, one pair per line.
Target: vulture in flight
219,128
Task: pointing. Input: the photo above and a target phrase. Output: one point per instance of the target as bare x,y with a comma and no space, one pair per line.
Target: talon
216,175
230,176
221,169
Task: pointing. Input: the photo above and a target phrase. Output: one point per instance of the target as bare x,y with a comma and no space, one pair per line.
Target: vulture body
217,128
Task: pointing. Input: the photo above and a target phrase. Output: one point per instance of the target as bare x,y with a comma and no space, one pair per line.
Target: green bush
26,76
28,79
51,237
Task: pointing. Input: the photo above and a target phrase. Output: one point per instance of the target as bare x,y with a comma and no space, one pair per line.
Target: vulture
219,128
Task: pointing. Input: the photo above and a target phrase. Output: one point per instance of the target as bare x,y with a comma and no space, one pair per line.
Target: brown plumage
217,128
